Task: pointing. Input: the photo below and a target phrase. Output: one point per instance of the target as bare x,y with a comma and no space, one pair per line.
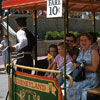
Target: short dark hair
53,46
88,35
71,35
21,21
94,35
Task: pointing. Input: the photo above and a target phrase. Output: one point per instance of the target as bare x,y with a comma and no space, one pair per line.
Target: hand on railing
17,57
12,49
9,67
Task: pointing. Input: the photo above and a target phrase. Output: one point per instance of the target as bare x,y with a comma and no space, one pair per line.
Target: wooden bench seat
95,91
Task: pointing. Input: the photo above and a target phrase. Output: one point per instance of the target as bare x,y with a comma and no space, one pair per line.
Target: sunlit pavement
3,85
3,81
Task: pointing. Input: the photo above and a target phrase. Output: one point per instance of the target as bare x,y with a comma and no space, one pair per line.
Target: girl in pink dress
59,60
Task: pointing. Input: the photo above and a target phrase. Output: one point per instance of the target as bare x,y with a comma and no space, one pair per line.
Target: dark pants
42,64
26,61
93,97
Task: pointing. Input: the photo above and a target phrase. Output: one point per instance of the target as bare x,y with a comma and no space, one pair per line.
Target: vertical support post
65,32
1,15
8,35
12,91
93,21
0,7
35,37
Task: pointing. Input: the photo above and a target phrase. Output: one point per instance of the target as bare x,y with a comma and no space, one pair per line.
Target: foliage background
55,35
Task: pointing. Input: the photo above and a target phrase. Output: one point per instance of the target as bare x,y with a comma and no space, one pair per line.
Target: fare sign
54,8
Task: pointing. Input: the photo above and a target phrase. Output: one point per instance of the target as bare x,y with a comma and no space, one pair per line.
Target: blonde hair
62,45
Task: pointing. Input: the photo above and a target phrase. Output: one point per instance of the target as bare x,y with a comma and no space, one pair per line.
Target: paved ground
1,63
3,81
3,85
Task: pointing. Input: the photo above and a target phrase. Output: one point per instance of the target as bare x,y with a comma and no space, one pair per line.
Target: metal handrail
46,70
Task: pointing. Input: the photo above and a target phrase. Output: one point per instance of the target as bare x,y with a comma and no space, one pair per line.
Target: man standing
25,44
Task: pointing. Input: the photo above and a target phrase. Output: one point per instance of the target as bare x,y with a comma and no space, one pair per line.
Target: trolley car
30,87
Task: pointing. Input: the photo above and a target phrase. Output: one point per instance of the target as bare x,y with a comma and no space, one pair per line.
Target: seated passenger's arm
95,61
51,65
74,58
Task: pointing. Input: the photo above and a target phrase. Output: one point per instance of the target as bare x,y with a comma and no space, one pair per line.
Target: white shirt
98,40
22,40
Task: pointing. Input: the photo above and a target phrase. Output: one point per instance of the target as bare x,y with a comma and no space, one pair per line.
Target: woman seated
91,58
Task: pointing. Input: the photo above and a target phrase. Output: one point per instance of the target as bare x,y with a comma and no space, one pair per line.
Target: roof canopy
24,4
74,5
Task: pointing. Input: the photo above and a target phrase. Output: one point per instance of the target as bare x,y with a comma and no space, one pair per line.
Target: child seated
59,60
43,63
53,51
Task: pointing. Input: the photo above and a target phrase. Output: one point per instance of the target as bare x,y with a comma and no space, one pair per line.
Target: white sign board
54,8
